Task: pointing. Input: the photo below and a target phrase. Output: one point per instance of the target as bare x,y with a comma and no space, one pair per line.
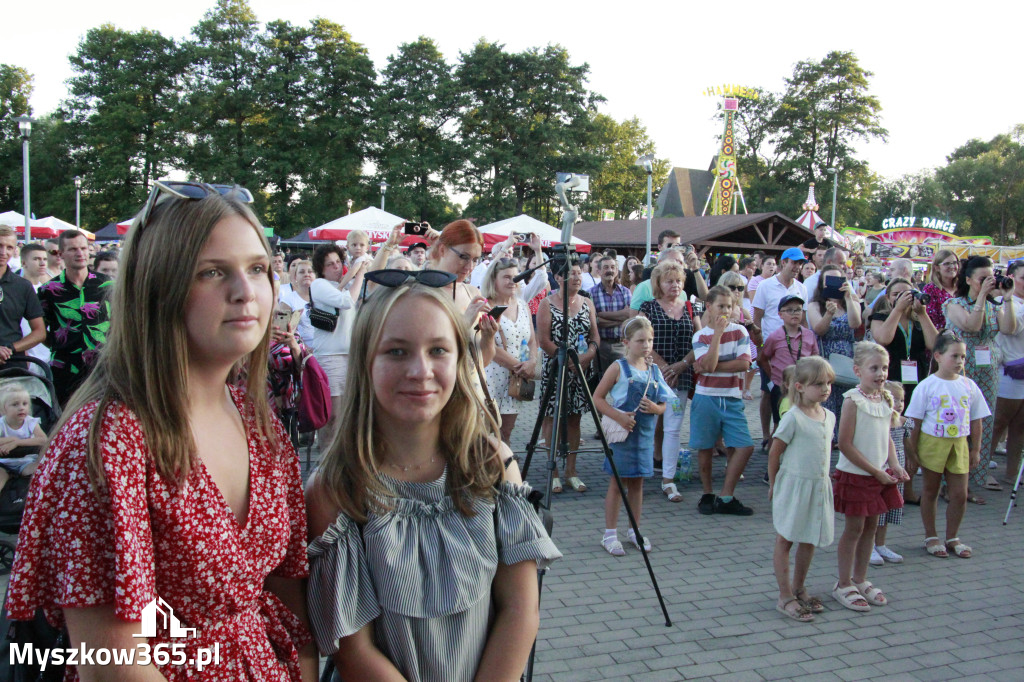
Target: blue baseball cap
793,254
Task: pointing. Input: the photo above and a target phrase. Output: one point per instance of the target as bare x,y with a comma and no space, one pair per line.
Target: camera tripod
567,360
1013,493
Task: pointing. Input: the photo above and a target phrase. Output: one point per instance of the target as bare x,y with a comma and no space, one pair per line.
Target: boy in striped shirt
722,356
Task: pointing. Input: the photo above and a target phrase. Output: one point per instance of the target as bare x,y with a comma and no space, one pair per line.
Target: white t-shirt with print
946,408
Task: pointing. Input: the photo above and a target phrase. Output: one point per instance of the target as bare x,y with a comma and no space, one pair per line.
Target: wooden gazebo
742,233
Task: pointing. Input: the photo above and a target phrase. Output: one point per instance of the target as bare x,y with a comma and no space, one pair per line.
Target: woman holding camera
976,320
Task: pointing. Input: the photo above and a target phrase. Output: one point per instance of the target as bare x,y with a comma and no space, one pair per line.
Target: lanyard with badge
908,367
983,354
799,348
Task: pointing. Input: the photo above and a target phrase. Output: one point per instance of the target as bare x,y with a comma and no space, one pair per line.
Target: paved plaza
948,618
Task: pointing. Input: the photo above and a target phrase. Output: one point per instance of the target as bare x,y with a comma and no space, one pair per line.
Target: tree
15,89
416,114
223,112
985,180
121,117
528,116
618,183
788,140
336,127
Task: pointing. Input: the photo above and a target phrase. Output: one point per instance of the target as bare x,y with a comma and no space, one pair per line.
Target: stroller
46,408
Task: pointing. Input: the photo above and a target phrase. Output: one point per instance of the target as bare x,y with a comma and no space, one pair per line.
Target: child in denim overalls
634,397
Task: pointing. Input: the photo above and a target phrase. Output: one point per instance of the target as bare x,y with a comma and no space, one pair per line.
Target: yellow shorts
940,455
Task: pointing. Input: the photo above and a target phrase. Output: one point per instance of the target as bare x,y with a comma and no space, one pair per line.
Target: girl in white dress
799,484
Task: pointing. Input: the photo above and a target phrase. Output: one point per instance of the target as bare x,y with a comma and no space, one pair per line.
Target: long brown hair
349,472
144,362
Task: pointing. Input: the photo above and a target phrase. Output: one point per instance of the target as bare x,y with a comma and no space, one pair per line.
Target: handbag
519,388
843,367
321,319
1014,369
614,432
314,404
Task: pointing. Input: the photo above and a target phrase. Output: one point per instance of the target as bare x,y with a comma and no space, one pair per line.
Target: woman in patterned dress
942,287
976,320
163,483
424,545
674,327
582,323
833,320
515,326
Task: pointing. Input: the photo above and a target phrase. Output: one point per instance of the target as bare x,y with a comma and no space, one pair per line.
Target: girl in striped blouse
424,547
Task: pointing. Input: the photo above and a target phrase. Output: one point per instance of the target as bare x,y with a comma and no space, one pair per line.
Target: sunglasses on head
395,278
189,190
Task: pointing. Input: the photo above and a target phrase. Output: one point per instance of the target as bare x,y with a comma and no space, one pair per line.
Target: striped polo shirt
734,344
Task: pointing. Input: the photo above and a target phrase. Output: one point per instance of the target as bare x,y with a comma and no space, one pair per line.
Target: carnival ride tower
726,185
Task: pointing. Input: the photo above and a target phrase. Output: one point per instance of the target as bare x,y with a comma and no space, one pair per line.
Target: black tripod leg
622,489
1013,493
537,425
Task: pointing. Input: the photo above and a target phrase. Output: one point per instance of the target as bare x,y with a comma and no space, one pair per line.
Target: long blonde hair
349,472
810,370
144,362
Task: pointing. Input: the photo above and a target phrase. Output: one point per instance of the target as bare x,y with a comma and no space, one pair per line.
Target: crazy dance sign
916,243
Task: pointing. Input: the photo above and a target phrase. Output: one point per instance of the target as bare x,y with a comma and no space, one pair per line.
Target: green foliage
416,113
618,183
15,89
787,140
120,118
985,183
529,115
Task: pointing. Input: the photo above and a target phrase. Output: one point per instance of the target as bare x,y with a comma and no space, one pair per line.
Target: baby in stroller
21,436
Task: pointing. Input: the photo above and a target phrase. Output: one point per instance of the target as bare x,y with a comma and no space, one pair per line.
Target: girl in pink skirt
866,475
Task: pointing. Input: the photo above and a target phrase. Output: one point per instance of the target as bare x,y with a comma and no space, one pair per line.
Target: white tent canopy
54,223
12,219
524,223
372,220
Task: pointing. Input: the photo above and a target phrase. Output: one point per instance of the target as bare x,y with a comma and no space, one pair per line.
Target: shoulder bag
321,319
614,432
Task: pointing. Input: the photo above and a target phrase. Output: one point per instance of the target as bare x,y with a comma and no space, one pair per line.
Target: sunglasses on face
189,190
736,287
395,278
53,252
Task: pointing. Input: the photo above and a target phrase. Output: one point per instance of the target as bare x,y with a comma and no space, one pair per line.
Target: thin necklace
869,396
411,467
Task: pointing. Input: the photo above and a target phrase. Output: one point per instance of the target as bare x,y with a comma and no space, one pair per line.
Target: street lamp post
78,201
25,126
835,189
383,188
647,163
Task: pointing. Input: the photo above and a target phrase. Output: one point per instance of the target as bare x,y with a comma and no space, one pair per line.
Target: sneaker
876,558
706,504
764,479
733,506
993,465
887,554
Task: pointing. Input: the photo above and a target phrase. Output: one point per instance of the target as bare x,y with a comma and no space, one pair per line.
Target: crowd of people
412,553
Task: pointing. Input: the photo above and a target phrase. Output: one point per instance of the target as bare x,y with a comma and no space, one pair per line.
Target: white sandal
871,594
647,541
556,485
958,548
612,545
671,492
849,596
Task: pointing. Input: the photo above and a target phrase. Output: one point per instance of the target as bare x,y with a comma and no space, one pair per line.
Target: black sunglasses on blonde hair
189,190
392,278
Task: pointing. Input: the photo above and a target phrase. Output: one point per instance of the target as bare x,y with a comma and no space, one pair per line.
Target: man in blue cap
766,316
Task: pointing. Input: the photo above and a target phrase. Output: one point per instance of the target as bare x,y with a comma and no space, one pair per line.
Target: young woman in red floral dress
164,483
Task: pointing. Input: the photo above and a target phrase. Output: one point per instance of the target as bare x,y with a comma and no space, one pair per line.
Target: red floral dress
147,536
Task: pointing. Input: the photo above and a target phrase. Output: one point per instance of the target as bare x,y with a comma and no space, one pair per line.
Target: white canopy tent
524,223
372,220
12,219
